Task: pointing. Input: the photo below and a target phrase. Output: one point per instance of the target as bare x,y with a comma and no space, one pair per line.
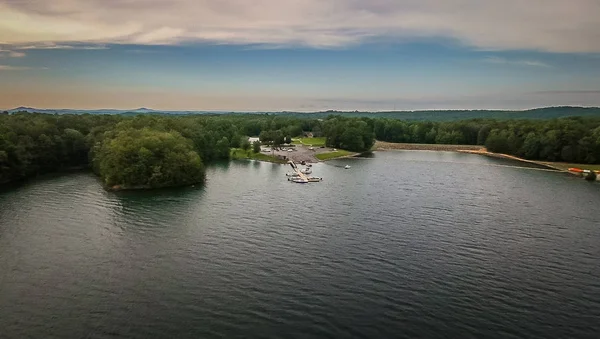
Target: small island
143,159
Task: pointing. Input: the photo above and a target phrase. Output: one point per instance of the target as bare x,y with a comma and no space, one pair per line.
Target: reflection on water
403,244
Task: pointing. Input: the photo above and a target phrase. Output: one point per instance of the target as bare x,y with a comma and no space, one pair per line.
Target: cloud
590,92
142,51
14,54
13,68
544,25
11,54
55,46
503,61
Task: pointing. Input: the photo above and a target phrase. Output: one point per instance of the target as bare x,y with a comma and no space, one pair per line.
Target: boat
347,167
576,170
298,176
310,179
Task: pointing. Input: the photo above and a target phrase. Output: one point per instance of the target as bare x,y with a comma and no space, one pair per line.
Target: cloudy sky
299,54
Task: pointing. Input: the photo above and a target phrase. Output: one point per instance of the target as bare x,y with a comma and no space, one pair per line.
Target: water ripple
398,246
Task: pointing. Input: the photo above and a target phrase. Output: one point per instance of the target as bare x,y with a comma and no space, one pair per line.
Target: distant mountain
142,110
455,115
22,108
432,115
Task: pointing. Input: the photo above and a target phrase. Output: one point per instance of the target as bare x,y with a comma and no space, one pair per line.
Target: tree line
162,150
573,139
131,151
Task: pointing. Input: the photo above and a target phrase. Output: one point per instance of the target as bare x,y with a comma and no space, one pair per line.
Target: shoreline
512,157
141,188
392,146
470,149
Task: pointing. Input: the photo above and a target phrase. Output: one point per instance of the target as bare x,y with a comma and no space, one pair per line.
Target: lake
403,245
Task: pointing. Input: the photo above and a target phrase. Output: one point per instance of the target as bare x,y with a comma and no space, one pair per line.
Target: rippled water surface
403,245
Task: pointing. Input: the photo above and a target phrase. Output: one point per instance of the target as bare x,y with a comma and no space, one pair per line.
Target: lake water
403,245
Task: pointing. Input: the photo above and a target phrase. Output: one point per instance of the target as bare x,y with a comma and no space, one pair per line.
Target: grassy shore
333,155
238,153
317,142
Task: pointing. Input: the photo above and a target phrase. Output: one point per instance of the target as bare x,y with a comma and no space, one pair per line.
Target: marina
299,175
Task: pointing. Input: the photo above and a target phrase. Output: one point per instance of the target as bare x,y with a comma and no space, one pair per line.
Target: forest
161,150
574,139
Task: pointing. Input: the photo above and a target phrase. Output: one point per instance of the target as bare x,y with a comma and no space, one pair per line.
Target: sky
299,55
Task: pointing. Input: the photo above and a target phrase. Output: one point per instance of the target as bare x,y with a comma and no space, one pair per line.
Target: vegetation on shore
354,135
143,151
333,155
315,141
558,140
148,159
172,150
238,153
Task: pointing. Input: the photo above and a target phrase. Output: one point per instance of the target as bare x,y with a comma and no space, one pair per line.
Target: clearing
334,154
310,141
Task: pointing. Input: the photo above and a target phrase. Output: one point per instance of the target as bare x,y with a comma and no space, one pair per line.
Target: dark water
403,245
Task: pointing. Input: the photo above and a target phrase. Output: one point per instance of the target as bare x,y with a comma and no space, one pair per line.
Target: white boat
347,167
300,180
310,179
306,171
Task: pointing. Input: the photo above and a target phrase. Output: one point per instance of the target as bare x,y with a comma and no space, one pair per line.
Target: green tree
482,134
497,142
256,146
75,145
222,148
265,136
278,139
149,158
245,144
531,146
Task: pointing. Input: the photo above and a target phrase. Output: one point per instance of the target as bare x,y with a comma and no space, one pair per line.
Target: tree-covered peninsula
147,159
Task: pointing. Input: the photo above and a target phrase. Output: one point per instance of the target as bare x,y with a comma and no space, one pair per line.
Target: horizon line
25,108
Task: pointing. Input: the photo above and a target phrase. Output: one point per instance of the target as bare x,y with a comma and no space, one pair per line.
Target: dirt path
386,146
512,157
